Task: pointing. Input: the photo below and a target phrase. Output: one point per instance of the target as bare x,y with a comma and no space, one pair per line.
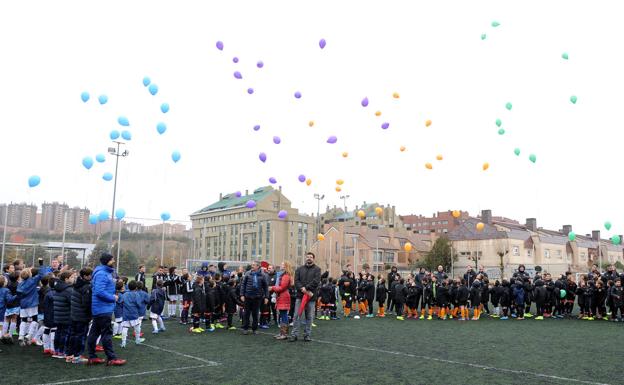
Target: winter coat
132,302
495,294
81,301
413,293
328,294
346,287
462,295
211,298
48,309
62,303
27,291
118,312
381,293
540,292
232,299
255,285
617,296
441,276
443,296
400,293
199,299
14,302
143,302
518,294
43,291
475,294
157,301
370,291
469,277
103,287
5,297
308,277
224,272
362,289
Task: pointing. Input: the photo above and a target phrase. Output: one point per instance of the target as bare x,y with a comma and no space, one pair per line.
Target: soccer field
374,351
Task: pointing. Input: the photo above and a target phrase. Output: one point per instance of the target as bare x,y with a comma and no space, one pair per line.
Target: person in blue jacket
102,306
118,313
157,305
133,301
29,304
5,298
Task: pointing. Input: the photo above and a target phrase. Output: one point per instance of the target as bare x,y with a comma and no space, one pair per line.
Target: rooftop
231,200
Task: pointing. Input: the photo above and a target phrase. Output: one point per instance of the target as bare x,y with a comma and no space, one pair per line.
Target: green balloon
498,122
495,24
508,106
616,240
483,36
572,236
532,158
573,99
562,293
517,151
501,131
607,225
564,56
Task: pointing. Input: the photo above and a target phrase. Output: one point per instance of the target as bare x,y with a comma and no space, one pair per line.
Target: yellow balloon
378,113
340,182
428,165
361,214
439,157
395,95
402,148
311,123
320,237
378,211
480,226
345,154
428,123
456,214
407,247
338,189
308,181
486,165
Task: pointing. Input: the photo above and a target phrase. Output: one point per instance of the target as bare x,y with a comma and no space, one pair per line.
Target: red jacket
283,296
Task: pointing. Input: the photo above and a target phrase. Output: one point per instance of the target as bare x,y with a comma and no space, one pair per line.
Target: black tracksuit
381,294
400,293
80,316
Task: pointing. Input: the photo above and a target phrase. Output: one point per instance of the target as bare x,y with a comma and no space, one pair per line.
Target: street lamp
115,152
344,201
318,198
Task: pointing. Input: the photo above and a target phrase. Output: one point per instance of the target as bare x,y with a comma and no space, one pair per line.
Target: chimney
280,188
567,229
595,235
486,217
531,224
220,196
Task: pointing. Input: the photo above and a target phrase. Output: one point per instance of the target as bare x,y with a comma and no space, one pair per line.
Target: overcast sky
431,53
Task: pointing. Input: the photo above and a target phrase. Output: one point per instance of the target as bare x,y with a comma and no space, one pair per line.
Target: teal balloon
126,135
165,216
573,99
483,36
164,108
153,89
104,215
499,122
120,214
562,293
495,24
607,225
87,162
517,151
616,240
508,106
34,181
114,135
107,176
123,121
572,236
501,131
93,219
103,99
564,56
146,81
175,156
161,128
532,158
100,158
85,96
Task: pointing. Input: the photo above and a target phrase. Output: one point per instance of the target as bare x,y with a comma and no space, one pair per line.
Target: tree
440,254
128,264
71,259
94,257
501,251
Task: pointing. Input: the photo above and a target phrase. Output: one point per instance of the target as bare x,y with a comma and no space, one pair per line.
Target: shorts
118,320
174,298
130,324
154,315
29,312
12,311
39,317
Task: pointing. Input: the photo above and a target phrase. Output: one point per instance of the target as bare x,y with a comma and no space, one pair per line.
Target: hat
105,258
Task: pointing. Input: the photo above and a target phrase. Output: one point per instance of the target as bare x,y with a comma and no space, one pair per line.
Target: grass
376,351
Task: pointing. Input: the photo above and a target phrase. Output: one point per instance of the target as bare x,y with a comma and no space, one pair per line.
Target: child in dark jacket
475,299
495,294
80,316
370,295
519,300
133,303
232,300
12,309
199,304
381,294
411,299
327,295
5,298
187,298
443,299
120,289
62,313
505,299
540,295
156,306
211,299
462,296
49,328
617,299
400,294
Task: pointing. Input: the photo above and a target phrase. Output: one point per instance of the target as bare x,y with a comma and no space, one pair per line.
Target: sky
431,53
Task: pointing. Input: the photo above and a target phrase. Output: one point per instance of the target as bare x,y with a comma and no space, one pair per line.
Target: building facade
21,215
53,217
441,222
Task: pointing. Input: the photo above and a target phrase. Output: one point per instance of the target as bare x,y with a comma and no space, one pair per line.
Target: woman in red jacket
283,298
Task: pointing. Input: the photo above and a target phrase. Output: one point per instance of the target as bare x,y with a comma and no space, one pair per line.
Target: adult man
273,276
440,274
469,276
254,289
610,275
482,272
102,306
594,273
140,277
307,281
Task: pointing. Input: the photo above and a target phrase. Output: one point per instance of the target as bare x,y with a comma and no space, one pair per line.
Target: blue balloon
93,219
164,108
146,81
161,128
175,156
104,215
114,135
123,121
103,99
87,162
100,158
107,176
126,135
85,96
34,181
120,214
153,89
165,216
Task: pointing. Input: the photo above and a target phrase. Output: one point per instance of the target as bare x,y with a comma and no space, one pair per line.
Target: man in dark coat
307,281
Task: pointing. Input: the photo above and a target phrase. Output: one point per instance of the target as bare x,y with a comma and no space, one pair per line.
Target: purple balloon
220,45
298,95
238,75
365,102
235,59
251,204
332,139
282,214
250,91
256,127
262,157
322,43
385,125
272,180
277,140
238,194
259,64
302,178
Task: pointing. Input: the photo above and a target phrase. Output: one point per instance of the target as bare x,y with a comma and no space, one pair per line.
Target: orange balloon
428,165
439,157
456,214
378,113
311,123
428,123
340,182
361,214
338,189
395,95
480,226
402,148
320,237
308,181
378,211
345,154
407,247
486,165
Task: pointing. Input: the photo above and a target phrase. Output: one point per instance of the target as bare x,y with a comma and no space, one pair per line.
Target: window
349,252
546,253
377,256
583,257
445,222
559,255
275,204
389,256
464,253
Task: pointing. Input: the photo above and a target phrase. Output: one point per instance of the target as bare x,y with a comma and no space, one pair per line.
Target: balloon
345,154
302,178
332,139
428,123
161,128
298,95
339,182
120,214
238,75
282,214
165,216
256,127
486,165
85,96
456,214
564,56
238,194
607,225
235,59
220,45
100,158
483,36
259,64
499,122
573,99
562,293
153,89
272,180
572,236
164,108
501,131
320,237
377,113
439,157
311,123
322,43
532,158
517,151
87,162
361,214
378,211
277,140
338,189
616,240
107,176
103,99
93,219
250,91
104,215
395,95
402,148
126,135
114,135
123,121
508,106
250,204
262,157
480,226
385,125
428,166
495,24
365,102
308,181
407,247
175,156
146,81
34,181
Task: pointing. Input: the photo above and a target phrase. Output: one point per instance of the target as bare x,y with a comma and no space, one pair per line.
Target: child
590,289
362,295
43,291
62,313
326,298
381,295
600,295
211,299
156,306
187,298
580,293
495,294
231,301
80,316
540,293
5,298
346,287
173,290
411,298
617,298
453,297
462,299
219,301
132,303
485,294
49,328
199,303
118,312
370,295
443,299
144,301
505,299
29,304
12,310
518,295
400,292
570,296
